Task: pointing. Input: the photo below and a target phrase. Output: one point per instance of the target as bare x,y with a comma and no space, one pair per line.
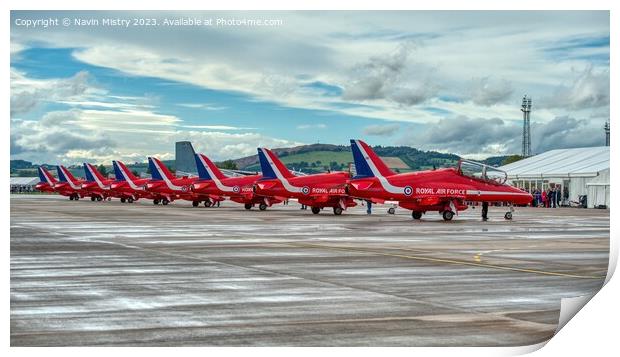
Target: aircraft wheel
262,207
123,199
155,201
99,198
92,198
77,198
337,211
165,202
248,206
207,203
418,215
195,203
508,215
71,198
391,210
448,215
316,210
130,200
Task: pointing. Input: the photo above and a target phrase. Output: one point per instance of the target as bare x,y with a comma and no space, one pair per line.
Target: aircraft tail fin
207,169
91,172
184,156
271,165
46,176
65,175
121,172
367,162
159,170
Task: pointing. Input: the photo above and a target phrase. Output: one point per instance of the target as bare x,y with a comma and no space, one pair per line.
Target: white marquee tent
580,171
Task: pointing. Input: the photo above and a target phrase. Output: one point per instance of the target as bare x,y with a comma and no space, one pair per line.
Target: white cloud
216,127
27,93
381,130
311,126
489,91
204,106
369,57
588,89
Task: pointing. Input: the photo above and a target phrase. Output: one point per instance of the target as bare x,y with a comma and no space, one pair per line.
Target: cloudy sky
447,81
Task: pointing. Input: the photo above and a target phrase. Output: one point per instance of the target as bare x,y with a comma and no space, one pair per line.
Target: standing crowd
551,198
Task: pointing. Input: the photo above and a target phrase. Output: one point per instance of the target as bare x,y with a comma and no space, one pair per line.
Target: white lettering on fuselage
328,191
439,191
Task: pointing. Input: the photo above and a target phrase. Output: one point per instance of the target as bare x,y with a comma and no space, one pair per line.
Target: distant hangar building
579,171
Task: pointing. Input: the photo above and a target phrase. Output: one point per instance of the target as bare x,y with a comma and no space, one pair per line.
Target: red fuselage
44,187
237,189
320,190
92,188
174,189
429,190
123,189
65,189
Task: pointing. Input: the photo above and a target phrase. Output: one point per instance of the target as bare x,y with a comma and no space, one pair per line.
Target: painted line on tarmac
450,261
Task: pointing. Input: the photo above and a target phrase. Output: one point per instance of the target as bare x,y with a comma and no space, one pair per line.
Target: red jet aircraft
68,185
170,188
96,186
127,186
214,184
316,191
47,181
442,190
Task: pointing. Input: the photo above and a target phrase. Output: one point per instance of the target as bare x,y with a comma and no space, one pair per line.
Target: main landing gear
392,210
316,210
74,197
508,215
447,215
262,206
248,206
208,203
93,198
416,215
195,203
165,201
337,211
156,201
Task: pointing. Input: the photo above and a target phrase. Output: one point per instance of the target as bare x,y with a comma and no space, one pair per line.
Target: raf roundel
236,189
185,188
408,191
305,190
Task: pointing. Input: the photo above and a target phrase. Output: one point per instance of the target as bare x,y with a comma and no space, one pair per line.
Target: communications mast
526,108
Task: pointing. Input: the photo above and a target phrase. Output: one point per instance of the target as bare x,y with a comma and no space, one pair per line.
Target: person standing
485,211
368,207
544,198
552,198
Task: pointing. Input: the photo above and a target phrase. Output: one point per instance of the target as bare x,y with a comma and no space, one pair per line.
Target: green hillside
314,161
338,157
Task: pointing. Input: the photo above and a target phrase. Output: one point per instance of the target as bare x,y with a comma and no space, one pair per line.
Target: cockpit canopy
482,172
